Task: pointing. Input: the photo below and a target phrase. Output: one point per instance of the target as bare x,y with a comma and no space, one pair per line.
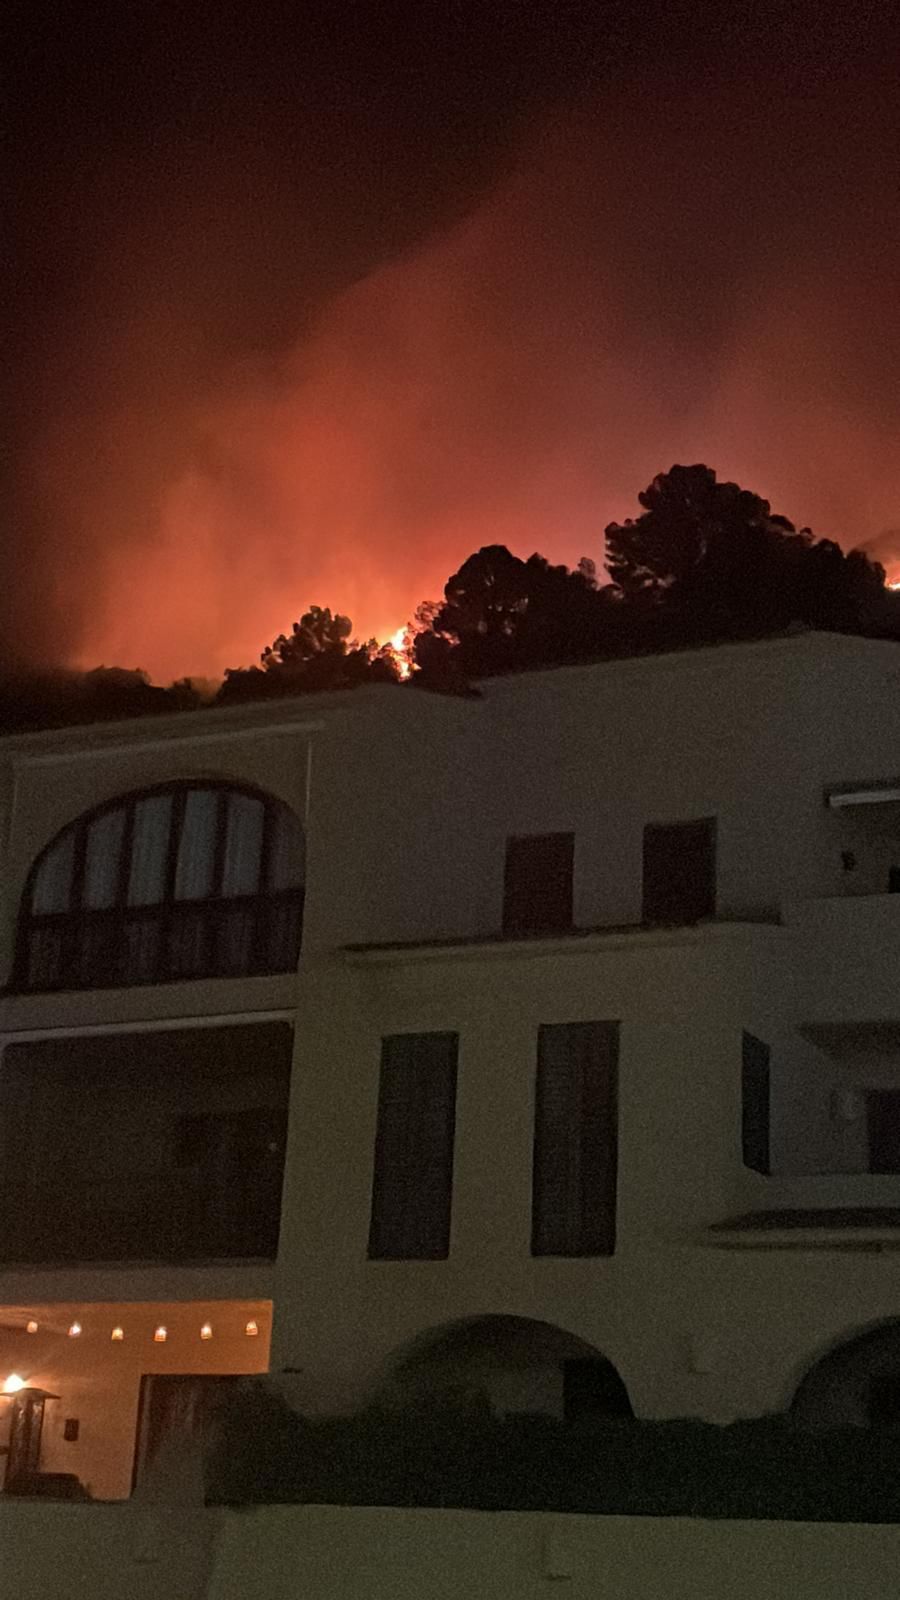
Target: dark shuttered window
883,1124
537,884
755,1104
679,871
413,1178
575,1140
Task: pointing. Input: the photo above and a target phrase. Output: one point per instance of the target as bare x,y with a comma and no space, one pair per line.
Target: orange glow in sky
516,379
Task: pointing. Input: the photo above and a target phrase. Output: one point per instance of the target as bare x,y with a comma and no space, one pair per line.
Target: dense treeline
703,562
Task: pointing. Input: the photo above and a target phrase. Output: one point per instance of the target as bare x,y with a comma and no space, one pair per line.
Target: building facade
538,1047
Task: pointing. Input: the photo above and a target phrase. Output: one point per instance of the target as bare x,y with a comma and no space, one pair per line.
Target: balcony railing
171,1216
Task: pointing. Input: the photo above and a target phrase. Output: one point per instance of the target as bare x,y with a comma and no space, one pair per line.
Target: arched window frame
183,937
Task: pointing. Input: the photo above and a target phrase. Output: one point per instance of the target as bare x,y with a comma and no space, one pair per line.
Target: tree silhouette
317,654
715,562
705,561
502,614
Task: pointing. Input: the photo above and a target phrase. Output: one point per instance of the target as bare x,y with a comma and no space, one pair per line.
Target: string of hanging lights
160,1331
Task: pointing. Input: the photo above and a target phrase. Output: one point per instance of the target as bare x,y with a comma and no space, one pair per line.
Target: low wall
126,1552
54,1551
288,1553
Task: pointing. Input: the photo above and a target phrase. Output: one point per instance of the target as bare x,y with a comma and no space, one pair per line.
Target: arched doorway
856,1384
507,1365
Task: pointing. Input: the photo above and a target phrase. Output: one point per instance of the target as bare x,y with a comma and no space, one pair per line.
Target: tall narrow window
575,1140
883,1127
413,1179
679,871
755,1091
537,884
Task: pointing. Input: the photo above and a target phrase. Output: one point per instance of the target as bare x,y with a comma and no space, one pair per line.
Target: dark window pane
44,957
679,871
235,933
575,1140
149,850
413,1179
98,951
103,850
140,949
188,930
280,930
243,845
197,845
537,885
883,1121
755,1090
287,855
53,879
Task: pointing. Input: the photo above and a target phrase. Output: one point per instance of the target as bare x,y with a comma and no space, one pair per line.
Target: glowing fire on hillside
399,648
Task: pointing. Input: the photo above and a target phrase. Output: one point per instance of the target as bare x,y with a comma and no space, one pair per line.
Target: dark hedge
765,1468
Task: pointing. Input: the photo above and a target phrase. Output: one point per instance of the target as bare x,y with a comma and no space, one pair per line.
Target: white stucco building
581,1090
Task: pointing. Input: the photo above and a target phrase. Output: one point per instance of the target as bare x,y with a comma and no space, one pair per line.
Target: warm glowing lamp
206,1331
117,1334
251,1330
13,1384
31,1327
160,1335
74,1330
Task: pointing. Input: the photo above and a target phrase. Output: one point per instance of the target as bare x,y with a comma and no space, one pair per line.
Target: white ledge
577,941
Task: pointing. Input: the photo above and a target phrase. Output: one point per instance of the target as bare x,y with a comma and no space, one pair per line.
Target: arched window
187,880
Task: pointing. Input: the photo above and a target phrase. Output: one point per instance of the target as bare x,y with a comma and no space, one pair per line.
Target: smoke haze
678,269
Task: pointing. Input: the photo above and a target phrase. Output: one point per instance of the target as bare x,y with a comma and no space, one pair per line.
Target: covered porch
93,1394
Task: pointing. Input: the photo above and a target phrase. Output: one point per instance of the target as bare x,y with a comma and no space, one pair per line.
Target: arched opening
185,880
506,1365
856,1384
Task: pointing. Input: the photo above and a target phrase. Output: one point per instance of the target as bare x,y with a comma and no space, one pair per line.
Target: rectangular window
575,1140
413,1178
883,1124
537,884
158,1146
755,1078
679,871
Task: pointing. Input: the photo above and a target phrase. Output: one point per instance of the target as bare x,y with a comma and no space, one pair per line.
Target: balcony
159,1146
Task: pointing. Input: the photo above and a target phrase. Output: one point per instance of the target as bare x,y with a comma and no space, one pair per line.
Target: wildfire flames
399,646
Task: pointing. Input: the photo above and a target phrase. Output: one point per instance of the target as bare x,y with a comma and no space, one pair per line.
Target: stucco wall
284,1553
692,1331
411,796
457,1555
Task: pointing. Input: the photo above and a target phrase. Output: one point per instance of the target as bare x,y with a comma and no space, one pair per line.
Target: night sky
306,310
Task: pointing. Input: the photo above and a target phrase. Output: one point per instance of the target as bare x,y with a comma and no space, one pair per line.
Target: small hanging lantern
206,1331
74,1330
161,1335
251,1330
117,1334
31,1327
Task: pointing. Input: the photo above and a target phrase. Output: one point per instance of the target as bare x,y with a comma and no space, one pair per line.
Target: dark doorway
592,1388
172,1404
